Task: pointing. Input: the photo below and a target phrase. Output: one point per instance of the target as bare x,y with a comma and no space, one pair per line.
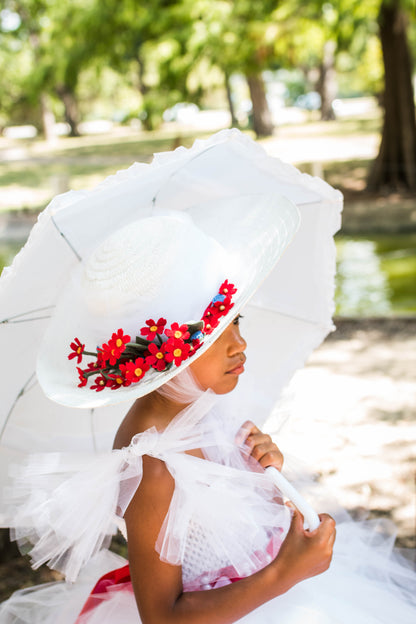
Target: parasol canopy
285,320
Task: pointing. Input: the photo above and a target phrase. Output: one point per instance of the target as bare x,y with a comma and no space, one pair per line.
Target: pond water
376,276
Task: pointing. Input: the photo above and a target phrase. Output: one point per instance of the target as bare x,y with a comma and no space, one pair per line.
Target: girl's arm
158,585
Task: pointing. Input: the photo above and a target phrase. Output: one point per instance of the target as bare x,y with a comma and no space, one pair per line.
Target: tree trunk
395,166
147,115
327,86
262,119
143,88
71,108
234,120
48,119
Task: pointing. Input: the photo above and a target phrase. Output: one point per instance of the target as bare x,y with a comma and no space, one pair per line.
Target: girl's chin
229,385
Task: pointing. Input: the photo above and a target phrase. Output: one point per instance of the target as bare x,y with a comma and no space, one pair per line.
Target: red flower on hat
112,369
116,345
177,350
180,332
116,380
224,306
157,357
134,371
83,380
227,289
211,320
77,350
100,383
153,328
92,365
194,346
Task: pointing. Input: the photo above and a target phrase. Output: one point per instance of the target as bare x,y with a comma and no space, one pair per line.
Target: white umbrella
289,316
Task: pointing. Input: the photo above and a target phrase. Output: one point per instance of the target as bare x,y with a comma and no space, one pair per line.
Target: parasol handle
310,516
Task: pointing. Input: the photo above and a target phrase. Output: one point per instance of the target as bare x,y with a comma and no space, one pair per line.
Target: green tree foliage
52,43
180,50
183,48
238,36
130,31
324,38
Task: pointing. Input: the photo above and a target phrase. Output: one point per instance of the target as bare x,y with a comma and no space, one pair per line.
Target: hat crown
162,266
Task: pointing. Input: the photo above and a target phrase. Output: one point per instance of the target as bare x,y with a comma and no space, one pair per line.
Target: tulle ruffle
60,602
66,507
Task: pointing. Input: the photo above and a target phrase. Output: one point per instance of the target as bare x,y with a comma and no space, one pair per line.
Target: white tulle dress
225,521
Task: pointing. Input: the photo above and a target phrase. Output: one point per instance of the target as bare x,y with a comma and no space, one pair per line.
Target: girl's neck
166,404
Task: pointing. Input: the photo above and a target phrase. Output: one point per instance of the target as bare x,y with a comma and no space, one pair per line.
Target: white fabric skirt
364,585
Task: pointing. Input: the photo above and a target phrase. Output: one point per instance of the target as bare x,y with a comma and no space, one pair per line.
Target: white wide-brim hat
169,265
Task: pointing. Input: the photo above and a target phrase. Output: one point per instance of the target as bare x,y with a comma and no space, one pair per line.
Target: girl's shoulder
142,415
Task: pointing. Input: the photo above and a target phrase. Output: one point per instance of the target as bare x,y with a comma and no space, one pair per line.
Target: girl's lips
237,370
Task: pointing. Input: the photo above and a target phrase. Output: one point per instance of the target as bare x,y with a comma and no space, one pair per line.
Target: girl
158,586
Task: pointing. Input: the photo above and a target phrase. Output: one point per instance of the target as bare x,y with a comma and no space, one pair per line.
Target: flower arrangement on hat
121,362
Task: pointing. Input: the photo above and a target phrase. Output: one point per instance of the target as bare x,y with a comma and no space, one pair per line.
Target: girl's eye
236,321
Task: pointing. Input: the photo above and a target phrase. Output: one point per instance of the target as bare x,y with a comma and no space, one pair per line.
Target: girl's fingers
245,430
256,439
327,527
265,451
332,537
260,445
268,457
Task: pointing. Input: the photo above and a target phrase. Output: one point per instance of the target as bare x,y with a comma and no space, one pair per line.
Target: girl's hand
305,553
259,445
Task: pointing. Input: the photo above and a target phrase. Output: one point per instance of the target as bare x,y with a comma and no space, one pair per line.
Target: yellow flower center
101,382
79,350
177,333
225,290
138,372
222,307
119,380
153,328
159,355
119,342
177,352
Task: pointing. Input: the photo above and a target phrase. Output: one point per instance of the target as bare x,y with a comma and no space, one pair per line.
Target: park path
320,149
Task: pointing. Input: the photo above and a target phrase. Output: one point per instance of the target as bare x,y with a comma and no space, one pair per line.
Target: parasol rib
11,319
20,394
207,149
66,240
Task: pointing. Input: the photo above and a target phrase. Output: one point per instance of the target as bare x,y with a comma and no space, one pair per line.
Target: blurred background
87,87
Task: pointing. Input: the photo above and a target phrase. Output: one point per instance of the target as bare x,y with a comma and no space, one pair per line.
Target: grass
41,171
349,176
339,127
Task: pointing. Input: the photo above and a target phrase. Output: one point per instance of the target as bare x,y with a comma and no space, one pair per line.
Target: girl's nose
237,344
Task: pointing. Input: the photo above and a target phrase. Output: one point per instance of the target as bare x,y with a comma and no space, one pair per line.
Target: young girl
153,317
158,586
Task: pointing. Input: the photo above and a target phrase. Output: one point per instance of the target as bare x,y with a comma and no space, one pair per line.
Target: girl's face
219,367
